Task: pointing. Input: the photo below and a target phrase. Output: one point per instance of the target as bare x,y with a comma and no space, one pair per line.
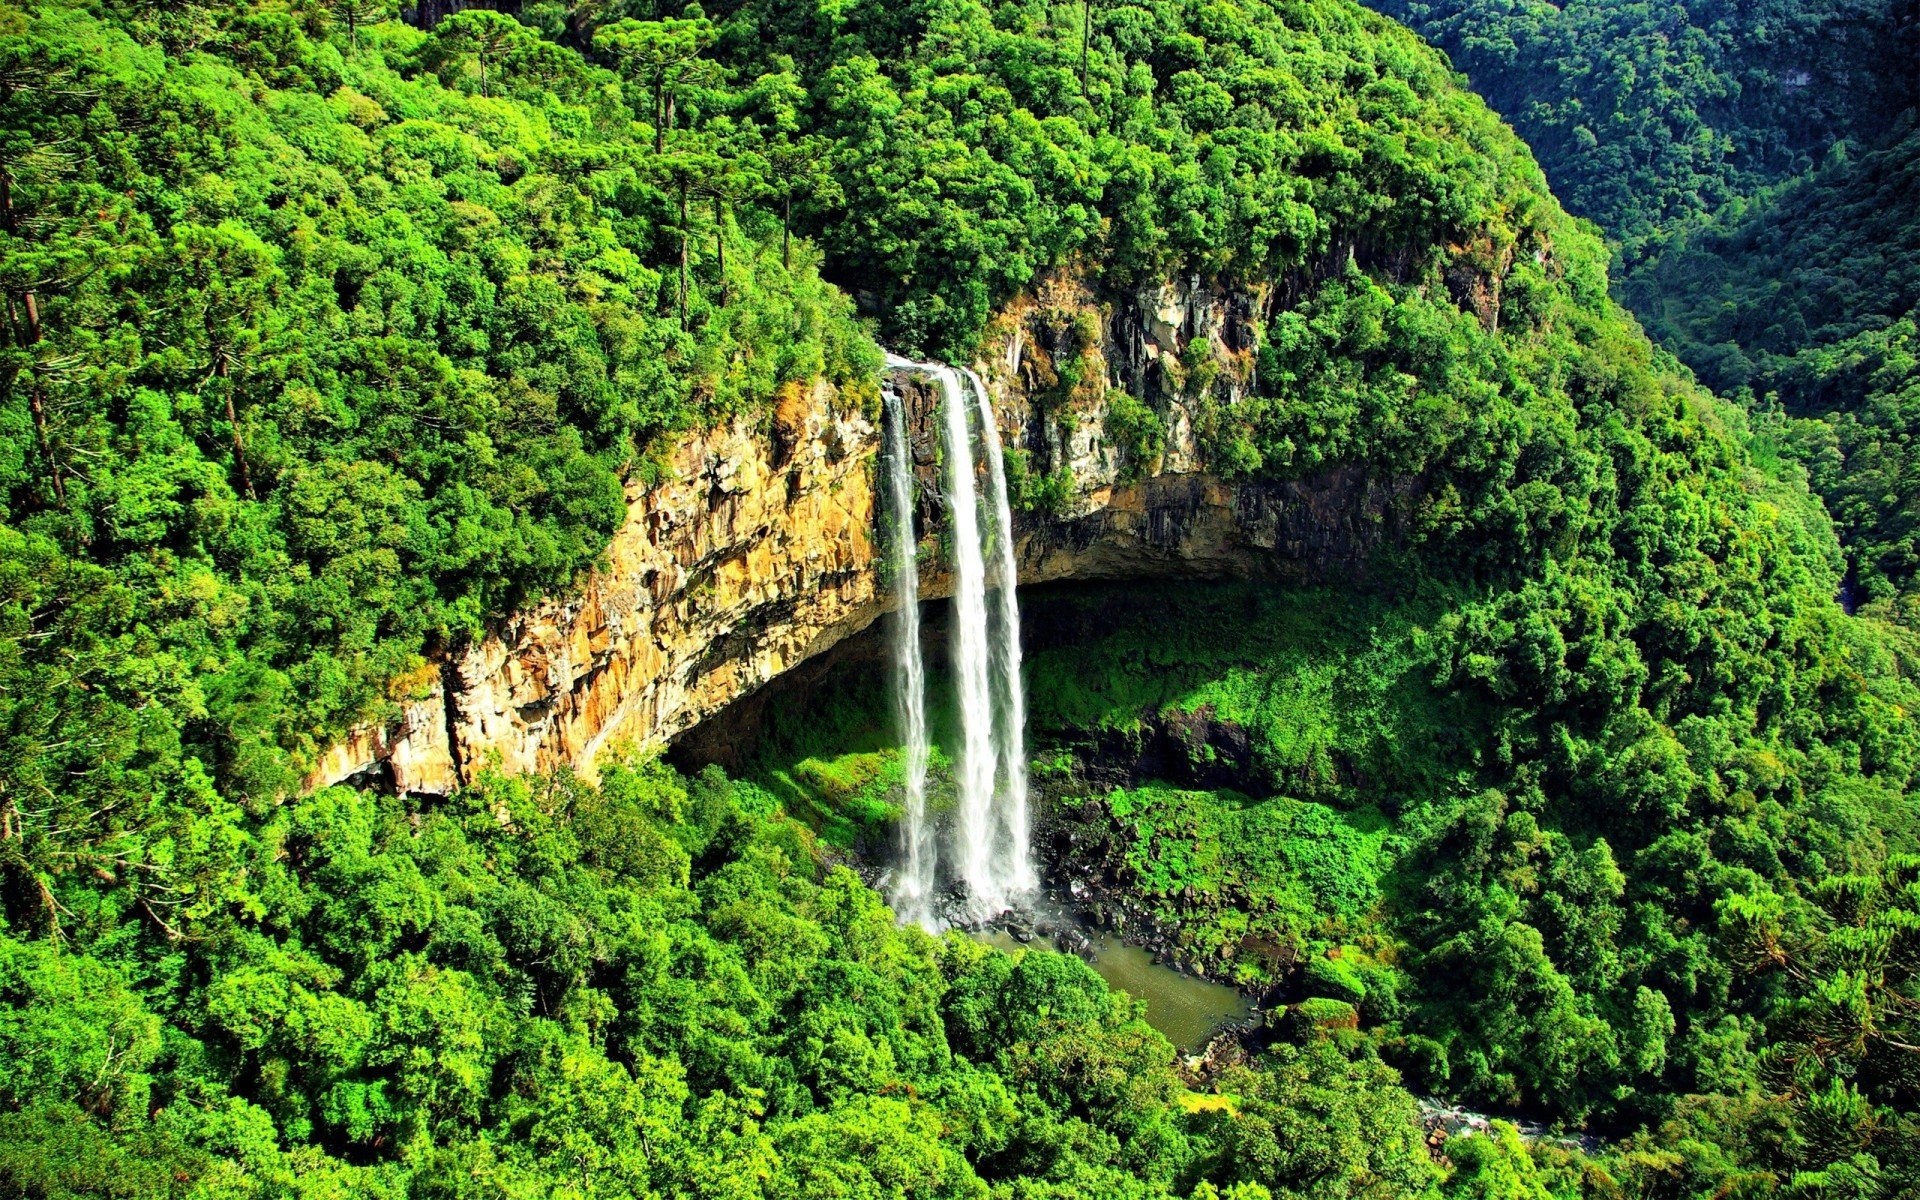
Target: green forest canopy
332,338
1805,302
1650,114
1513,888
1753,165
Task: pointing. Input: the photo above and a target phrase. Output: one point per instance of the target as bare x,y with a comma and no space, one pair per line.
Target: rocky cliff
758,550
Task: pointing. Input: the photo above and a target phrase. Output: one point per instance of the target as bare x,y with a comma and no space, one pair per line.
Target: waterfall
992,854
1016,846
977,758
914,881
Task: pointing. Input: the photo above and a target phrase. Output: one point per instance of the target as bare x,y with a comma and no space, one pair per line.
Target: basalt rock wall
760,547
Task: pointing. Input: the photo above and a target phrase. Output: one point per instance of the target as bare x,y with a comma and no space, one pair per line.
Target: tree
225,280
688,171
732,179
49,245
664,54
1086,40
488,36
1317,1123
23,319
794,168
354,14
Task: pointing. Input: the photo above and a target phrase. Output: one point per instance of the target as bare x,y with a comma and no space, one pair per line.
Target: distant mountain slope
1648,114
1753,166
1807,298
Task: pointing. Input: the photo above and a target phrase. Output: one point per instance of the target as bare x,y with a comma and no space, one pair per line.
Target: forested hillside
1805,300
643,989
333,338
1649,115
1753,167
318,361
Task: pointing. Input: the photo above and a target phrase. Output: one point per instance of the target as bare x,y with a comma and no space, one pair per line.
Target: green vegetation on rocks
1230,869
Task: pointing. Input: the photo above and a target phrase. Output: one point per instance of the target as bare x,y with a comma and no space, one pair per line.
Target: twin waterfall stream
992,852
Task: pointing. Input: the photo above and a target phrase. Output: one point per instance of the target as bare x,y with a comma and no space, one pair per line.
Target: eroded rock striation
759,548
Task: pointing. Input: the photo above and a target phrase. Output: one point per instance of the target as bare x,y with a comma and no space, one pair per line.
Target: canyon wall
759,547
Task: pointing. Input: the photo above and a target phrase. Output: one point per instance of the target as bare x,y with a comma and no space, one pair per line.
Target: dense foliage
326,350
646,988
1646,115
330,338
1517,890
966,147
1806,301
1790,125
1571,899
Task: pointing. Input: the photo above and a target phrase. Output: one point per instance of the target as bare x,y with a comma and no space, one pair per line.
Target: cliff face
755,553
759,549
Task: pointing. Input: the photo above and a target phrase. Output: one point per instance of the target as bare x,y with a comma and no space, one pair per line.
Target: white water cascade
914,880
992,850
1016,866
977,760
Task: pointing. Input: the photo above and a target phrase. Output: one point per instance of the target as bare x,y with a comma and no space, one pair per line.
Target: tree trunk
659,118
685,222
579,34
233,424
26,339
720,244
1086,36
36,392
37,400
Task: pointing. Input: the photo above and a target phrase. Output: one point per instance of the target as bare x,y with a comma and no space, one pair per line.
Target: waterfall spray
1015,869
913,884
